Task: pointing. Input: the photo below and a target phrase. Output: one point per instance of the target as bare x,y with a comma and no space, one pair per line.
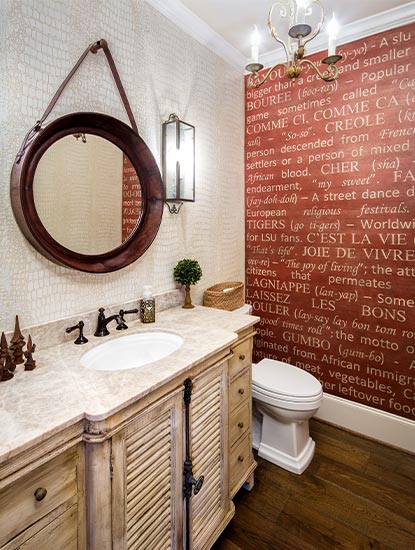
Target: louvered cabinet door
211,508
147,459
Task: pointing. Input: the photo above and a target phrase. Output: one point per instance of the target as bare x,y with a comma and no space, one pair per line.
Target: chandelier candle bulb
332,29
255,45
301,11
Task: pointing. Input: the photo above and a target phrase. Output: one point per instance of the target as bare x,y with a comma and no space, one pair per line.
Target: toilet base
286,444
294,464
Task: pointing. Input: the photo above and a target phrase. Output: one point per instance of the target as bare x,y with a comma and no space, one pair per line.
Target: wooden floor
355,494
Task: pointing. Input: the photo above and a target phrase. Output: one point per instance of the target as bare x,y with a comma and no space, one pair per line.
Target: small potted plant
187,272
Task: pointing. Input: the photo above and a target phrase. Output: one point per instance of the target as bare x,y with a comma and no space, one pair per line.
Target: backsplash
163,71
53,333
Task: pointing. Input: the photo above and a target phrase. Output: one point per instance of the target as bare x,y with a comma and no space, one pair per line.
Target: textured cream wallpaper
163,71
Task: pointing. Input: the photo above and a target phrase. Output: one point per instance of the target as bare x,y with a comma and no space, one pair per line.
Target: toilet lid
283,379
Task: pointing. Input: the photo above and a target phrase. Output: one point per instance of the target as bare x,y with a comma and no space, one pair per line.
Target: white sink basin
132,351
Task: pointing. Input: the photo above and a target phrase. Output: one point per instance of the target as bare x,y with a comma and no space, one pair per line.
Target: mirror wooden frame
124,137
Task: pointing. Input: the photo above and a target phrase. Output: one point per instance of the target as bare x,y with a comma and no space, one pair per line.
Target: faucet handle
122,325
127,312
81,338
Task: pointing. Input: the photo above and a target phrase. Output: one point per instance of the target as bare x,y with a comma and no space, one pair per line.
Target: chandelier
295,13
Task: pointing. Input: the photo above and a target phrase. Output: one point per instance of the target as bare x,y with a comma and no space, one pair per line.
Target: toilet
285,398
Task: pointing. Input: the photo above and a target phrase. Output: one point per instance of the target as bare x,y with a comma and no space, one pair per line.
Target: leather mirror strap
101,44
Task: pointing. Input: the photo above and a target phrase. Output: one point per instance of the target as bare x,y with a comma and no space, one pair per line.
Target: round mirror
87,192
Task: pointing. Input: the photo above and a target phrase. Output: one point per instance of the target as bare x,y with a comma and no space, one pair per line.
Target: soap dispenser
147,306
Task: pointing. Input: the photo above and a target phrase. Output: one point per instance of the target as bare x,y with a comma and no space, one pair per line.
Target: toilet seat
285,398
284,382
292,404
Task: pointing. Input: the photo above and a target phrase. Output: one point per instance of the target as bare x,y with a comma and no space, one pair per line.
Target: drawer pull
242,357
240,425
40,494
241,391
241,458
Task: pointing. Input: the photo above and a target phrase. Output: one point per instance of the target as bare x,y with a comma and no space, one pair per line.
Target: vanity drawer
240,389
60,534
241,358
241,460
24,502
240,422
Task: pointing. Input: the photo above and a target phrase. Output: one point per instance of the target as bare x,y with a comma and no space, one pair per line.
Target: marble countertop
35,405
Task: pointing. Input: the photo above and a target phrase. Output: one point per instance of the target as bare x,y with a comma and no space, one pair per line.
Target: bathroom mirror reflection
87,193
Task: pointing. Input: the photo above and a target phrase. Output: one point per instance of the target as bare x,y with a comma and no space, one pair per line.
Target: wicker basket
229,295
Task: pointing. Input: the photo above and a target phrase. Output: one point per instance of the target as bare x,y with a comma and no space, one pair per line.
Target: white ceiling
233,20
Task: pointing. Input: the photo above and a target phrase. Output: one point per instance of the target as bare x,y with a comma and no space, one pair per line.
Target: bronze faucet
104,321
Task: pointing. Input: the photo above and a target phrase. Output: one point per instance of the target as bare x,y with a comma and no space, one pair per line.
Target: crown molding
390,19
192,25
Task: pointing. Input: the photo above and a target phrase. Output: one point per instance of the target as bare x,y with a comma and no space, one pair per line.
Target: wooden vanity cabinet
211,509
147,478
117,483
42,503
242,463
146,455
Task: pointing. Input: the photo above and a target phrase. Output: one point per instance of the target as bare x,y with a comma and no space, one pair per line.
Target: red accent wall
330,221
131,199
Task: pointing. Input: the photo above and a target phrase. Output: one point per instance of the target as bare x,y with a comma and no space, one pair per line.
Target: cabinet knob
242,357
240,425
40,494
241,458
241,391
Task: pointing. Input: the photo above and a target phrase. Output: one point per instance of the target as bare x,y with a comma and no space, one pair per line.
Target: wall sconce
178,162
